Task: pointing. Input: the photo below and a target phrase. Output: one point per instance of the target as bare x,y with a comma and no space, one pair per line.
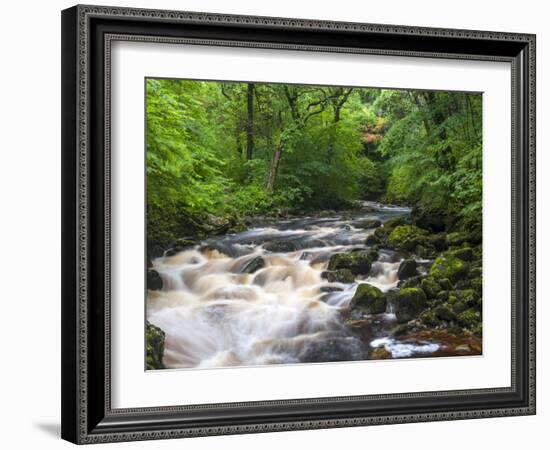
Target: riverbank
367,283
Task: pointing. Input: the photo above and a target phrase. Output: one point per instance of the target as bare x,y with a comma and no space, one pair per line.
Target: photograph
298,224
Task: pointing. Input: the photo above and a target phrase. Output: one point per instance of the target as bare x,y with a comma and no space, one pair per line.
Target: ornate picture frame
87,36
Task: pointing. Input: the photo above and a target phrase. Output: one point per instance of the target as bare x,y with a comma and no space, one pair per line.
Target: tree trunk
273,169
250,122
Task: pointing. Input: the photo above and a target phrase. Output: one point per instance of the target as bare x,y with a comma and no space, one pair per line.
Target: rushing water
215,314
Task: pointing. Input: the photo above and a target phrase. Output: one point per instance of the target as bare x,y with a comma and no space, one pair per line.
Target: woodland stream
261,296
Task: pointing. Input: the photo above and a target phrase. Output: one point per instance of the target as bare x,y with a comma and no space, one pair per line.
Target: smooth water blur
215,314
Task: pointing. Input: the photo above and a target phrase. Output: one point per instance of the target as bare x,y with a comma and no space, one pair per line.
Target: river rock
369,299
280,246
368,223
154,281
154,337
407,269
430,287
444,312
358,262
409,303
380,353
464,253
330,289
407,237
447,265
469,319
432,219
338,276
253,265
345,348
371,240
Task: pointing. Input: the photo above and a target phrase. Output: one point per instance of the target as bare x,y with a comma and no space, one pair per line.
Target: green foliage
312,148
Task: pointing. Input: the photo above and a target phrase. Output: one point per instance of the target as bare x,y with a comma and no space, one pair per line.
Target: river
258,297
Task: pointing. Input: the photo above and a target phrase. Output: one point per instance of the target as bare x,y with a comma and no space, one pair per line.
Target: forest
220,151
300,223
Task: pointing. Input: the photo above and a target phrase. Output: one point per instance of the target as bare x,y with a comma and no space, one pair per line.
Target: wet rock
430,287
409,303
154,337
368,223
369,299
338,276
410,282
438,241
306,256
465,254
407,269
358,262
445,283
447,265
253,265
154,281
372,239
396,221
380,353
329,289
458,238
280,246
180,245
444,312
347,348
400,330
425,251
407,237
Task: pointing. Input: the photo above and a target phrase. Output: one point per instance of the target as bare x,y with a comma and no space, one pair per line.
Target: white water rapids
215,315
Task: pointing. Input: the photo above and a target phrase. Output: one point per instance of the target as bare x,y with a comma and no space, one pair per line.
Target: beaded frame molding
87,35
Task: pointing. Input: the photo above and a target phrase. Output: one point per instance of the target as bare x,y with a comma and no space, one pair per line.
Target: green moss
469,319
338,276
449,266
409,303
464,253
430,287
154,338
357,262
369,298
407,237
444,312
429,318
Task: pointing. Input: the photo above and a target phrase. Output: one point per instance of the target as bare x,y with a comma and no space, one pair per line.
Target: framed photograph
279,224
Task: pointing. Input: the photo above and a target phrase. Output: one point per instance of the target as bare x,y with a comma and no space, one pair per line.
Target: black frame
87,416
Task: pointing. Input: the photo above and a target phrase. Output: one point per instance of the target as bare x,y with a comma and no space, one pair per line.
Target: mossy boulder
407,269
429,318
154,281
444,312
409,303
430,287
438,241
338,276
464,253
469,319
396,221
368,223
445,283
447,265
458,238
410,282
371,240
407,237
369,298
359,263
425,251
154,337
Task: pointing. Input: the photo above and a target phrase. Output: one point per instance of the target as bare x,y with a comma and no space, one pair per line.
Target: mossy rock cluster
154,338
369,299
359,262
